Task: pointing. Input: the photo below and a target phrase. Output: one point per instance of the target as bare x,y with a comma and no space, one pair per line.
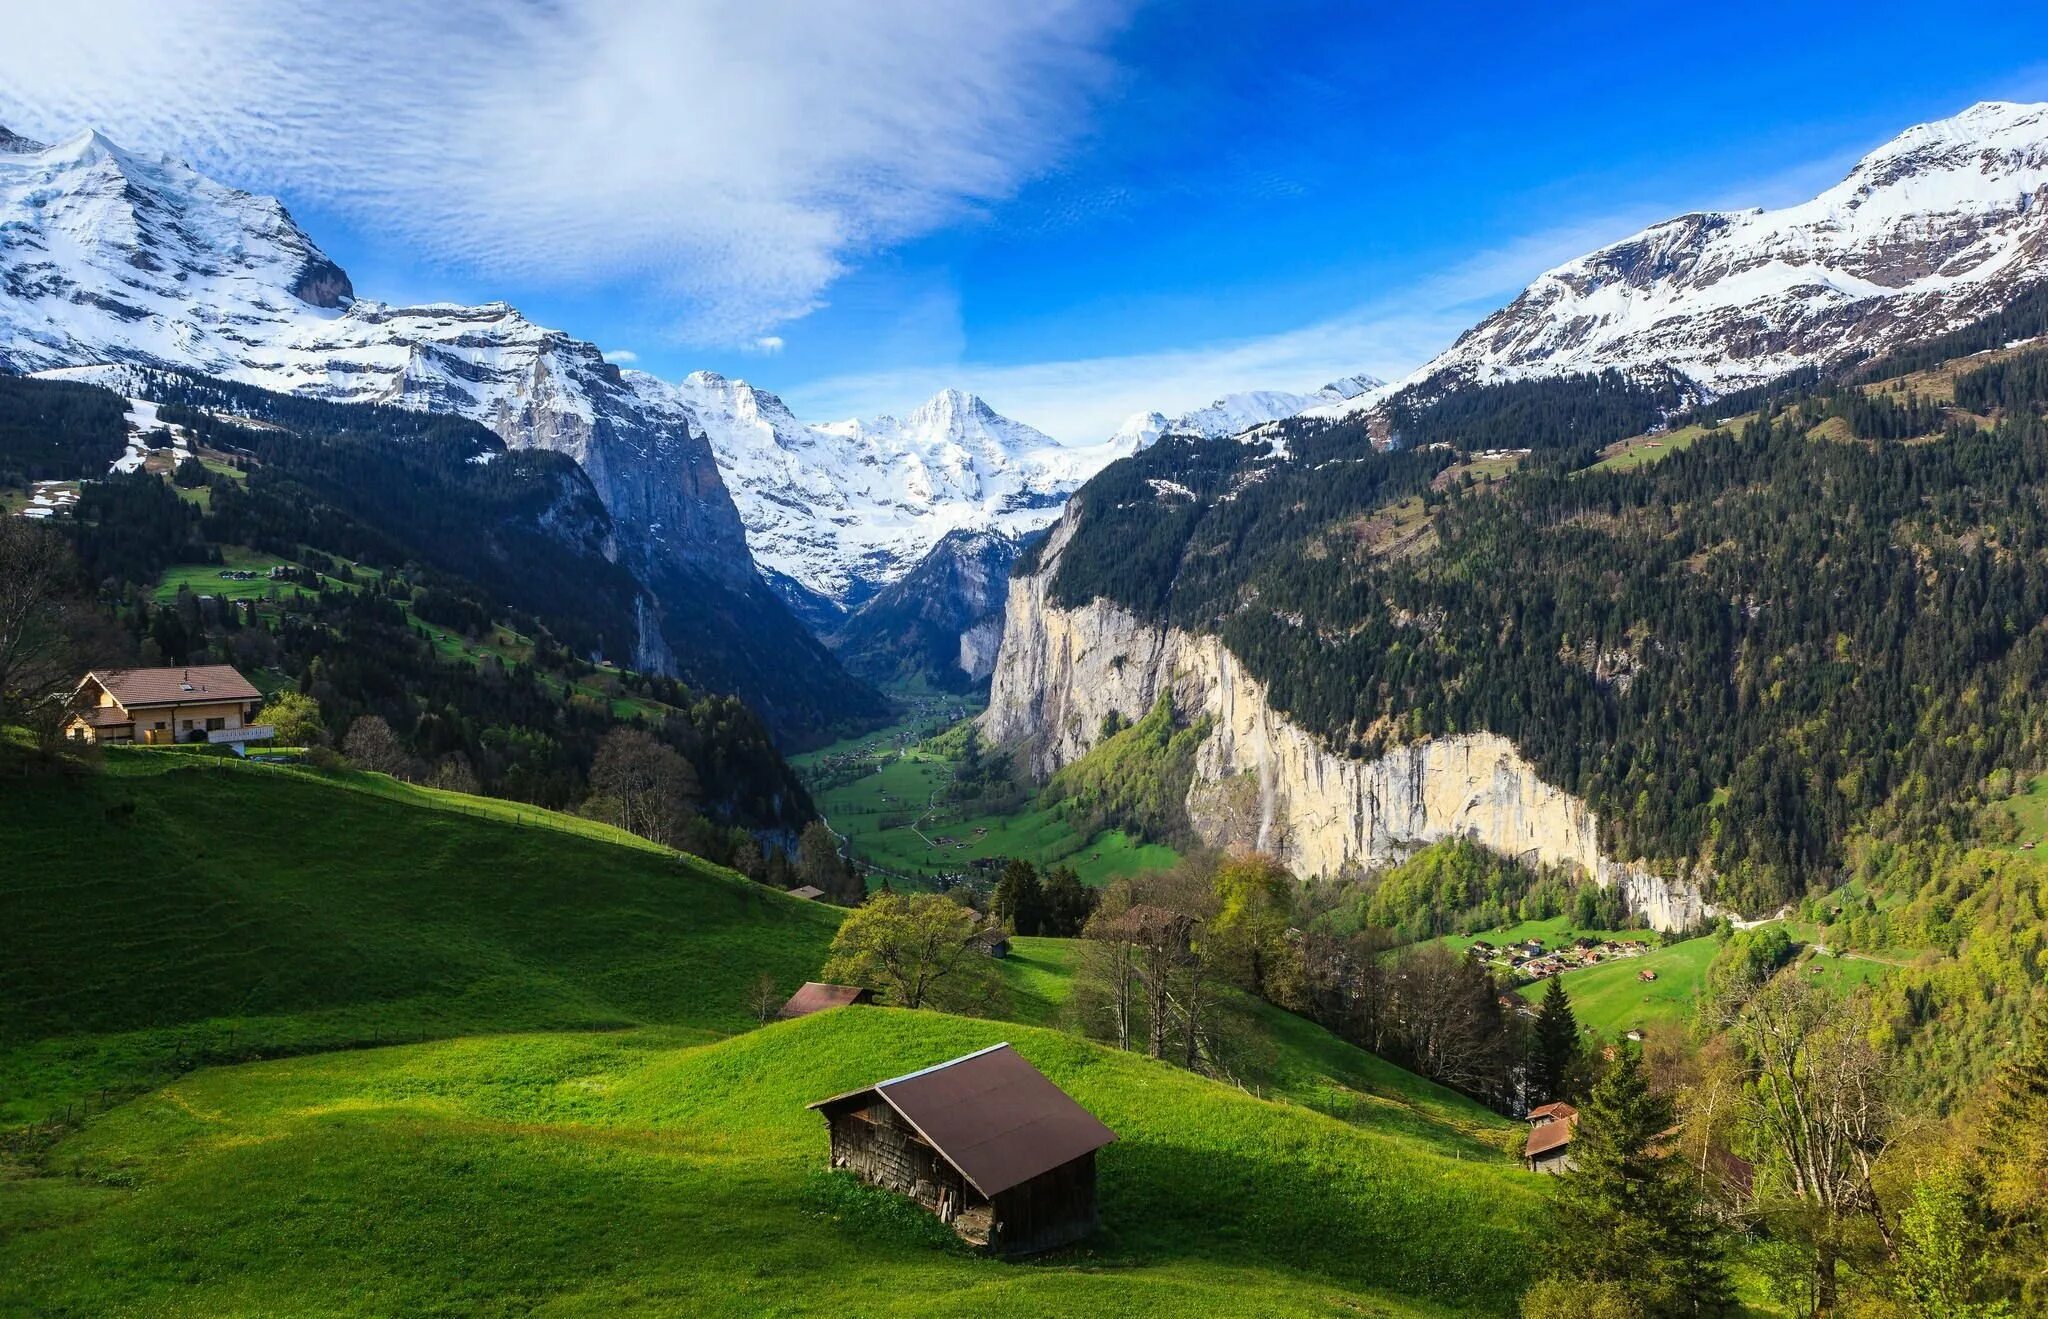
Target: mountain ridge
108,257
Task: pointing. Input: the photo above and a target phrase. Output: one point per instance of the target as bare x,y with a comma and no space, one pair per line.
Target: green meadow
1612,998
283,1044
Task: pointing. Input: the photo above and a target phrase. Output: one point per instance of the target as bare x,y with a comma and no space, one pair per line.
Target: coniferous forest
1821,618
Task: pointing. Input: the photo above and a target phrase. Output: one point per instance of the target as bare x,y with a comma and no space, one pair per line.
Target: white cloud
733,154
1083,400
768,345
622,356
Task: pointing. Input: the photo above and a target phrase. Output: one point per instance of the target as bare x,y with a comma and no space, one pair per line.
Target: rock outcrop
1263,781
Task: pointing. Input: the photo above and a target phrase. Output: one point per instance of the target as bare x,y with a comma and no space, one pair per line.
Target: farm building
1550,1141
809,893
991,942
985,1141
201,703
816,996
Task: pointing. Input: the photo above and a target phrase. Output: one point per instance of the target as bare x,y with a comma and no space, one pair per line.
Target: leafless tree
643,785
373,746
1818,1100
1450,1019
35,659
767,999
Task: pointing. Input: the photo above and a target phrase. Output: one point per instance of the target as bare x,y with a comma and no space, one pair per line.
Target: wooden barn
984,1141
816,996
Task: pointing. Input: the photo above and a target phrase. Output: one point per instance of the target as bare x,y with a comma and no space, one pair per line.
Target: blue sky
1076,211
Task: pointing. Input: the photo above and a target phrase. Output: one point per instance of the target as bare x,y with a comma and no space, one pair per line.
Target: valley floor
886,795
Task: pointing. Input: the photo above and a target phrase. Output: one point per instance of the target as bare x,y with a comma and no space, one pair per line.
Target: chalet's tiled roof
991,1115
816,996
179,686
809,892
1546,1112
1550,1136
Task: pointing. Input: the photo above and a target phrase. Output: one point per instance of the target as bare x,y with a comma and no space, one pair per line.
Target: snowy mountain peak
1933,228
14,144
1234,414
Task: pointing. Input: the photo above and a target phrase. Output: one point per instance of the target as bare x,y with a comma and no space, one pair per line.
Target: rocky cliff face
1262,781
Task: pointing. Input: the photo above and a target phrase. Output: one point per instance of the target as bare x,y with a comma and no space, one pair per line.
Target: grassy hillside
204,948
582,1174
1280,1055
174,909
1611,998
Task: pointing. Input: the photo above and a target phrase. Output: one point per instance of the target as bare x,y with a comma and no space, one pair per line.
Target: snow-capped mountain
839,509
1234,413
1932,229
110,257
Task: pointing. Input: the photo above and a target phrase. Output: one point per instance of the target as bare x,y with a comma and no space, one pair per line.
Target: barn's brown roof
1546,1112
992,1115
131,688
816,996
809,893
1550,1136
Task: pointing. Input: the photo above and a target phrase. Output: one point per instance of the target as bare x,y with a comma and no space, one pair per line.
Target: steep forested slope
1827,617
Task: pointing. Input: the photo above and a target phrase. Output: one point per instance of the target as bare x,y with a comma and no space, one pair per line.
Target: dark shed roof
991,1115
816,996
1551,1136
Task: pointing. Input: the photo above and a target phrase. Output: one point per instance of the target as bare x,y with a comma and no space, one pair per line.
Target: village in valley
1529,959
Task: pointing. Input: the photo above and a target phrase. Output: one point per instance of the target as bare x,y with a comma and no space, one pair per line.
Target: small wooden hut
985,1141
816,996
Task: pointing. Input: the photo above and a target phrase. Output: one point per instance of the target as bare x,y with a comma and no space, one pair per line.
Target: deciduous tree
909,947
296,717
643,785
35,660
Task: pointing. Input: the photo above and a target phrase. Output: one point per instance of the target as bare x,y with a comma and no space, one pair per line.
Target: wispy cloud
768,345
733,154
623,356
1083,400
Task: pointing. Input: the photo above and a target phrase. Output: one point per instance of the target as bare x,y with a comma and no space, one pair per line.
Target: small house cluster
1529,959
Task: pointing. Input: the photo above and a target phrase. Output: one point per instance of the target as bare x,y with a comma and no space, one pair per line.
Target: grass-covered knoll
1555,931
1624,455
583,1174
1277,1054
1613,998
173,908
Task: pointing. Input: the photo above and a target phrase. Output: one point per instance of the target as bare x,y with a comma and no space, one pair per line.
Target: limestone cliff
1263,781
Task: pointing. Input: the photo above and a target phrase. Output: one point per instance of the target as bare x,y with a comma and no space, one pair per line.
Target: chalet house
1550,1139
985,1141
158,707
817,996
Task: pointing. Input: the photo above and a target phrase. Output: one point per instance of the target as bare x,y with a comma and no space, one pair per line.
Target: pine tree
1557,1044
1628,1213
1019,898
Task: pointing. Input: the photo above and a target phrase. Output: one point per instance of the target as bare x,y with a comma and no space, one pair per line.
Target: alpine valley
1614,749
